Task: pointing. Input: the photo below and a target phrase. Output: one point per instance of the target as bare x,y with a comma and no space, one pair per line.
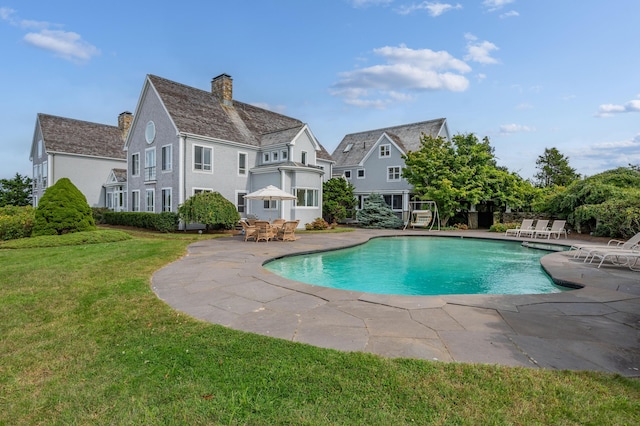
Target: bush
318,224
63,209
210,209
162,222
16,222
98,214
377,214
461,226
502,227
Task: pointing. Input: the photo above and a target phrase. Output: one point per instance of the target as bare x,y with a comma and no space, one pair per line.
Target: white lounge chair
620,257
613,244
526,224
557,228
541,225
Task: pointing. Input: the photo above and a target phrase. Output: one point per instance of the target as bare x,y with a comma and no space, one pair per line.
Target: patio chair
264,231
288,230
249,231
620,257
541,225
556,229
613,244
526,224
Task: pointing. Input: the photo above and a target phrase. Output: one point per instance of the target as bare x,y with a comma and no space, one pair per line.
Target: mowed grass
84,340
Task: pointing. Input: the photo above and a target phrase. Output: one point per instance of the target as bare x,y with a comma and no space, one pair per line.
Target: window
304,157
40,148
167,153
166,200
347,174
270,204
266,158
393,174
44,174
150,200
360,173
394,201
348,148
200,190
150,164
240,202
135,164
307,197
202,158
385,151
135,201
284,155
274,156
242,163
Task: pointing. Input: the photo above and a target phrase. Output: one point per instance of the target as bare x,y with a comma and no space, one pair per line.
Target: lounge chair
620,257
613,244
249,231
541,225
526,224
556,229
264,231
288,231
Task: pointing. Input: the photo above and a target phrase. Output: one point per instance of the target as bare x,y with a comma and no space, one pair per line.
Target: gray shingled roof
120,174
406,136
199,112
71,136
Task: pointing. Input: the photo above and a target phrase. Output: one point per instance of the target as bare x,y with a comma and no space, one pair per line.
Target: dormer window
284,155
274,156
266,157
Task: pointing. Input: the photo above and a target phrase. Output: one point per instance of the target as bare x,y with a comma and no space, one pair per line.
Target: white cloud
608,110
366,3
480,51
509,14
67,45
406,71
609,154
507,129
433,8
493,5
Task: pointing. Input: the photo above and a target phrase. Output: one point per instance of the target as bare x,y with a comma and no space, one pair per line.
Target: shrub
318,224
98,214
162,222
377,214
210,209
502,227
461,226
63,209
16,222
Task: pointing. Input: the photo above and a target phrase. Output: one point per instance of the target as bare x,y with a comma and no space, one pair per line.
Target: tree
63,209
16,191
554,169
460,172
210,209
338,199
375,213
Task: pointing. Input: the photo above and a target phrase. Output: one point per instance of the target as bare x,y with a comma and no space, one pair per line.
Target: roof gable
406,137
70,136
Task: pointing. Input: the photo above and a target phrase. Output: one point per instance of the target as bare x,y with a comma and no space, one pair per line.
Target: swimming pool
423,266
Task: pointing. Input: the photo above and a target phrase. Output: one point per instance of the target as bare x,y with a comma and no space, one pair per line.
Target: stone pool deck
597,327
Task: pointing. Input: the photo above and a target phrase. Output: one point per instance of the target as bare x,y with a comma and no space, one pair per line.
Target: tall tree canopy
460,172
554,169
16,191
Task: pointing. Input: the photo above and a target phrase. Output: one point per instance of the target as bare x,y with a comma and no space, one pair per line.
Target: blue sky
529,75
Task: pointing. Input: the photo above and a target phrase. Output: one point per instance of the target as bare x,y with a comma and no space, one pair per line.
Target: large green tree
338,201
460,172
16,191
63,209
554,170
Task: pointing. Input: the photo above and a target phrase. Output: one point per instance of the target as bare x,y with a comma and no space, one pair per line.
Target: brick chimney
222,88
124,123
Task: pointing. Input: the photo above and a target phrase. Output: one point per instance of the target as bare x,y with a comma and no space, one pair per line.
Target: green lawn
85,341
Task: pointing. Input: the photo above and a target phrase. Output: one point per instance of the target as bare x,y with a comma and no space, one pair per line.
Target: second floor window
135,164
393,173
202,158
167,152
242,163
150,164
385,151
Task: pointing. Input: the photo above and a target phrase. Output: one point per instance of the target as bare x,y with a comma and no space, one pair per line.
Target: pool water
423,266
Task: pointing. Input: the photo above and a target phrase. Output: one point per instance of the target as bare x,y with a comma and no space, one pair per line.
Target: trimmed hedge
16,222
63,209
162,222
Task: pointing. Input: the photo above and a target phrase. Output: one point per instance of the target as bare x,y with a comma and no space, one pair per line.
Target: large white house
185,140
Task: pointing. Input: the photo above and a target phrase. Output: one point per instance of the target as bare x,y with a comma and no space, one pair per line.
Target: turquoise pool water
423,266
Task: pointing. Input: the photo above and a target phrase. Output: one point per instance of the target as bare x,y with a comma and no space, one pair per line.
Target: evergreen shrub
63,209
376,213
210,209
16,222
161,222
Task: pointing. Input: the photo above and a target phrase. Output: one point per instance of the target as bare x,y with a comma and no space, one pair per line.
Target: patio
597,327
